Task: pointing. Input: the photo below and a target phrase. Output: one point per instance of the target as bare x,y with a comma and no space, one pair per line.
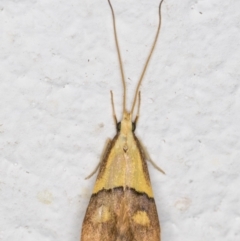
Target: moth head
126,124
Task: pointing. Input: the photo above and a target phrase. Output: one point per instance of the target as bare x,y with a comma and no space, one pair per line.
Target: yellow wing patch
101,215
141,217
124,168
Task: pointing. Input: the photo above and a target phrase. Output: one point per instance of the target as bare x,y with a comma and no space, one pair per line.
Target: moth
122,206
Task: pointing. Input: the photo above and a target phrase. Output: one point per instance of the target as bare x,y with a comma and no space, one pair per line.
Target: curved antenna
148,58
119,57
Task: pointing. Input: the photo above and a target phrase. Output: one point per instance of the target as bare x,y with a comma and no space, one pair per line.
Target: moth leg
106,147
146,154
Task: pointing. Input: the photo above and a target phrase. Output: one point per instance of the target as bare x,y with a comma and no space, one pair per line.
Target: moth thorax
126,123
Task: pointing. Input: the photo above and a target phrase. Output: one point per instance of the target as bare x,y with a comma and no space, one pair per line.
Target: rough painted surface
58,63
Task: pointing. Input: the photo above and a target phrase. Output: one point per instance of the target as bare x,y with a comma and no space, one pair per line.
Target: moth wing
122,215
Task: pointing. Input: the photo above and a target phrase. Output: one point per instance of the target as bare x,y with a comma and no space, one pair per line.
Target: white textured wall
58,63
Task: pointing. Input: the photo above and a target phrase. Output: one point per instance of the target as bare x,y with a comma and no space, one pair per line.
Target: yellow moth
122,206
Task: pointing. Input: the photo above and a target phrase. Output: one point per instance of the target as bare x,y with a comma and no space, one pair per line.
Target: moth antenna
138,109
119,56
149,56
113,108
